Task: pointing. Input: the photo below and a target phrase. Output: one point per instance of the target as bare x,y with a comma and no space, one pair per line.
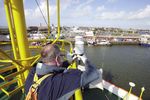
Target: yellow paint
20,29
58,21
78,93
141,94
11,27
48,17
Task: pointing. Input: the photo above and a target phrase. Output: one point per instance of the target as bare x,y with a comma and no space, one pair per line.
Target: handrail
13,91
58,21
48,17
18,74
7,69
51,40
8,83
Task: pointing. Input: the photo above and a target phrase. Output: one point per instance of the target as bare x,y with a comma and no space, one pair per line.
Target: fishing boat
103,42
91,42
14,69
90,38
145,40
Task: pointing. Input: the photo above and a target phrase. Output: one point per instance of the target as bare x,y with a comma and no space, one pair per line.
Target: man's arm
90,74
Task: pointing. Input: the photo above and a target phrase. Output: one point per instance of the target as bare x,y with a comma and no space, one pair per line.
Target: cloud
1,8
34,15
100,8
123,15
111,15
84,9
112,1
140,14
3,21
81,12
65,4
85,4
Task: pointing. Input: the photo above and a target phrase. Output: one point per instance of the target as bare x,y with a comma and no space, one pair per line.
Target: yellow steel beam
48,17
8,83
35,60
16,90
58,21
20,28
9,17
8,61
13,91
2,70
78,93
3,43
2,77
10,76
7,93
4,65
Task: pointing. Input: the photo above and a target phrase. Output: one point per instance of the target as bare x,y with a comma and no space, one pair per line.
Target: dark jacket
63,83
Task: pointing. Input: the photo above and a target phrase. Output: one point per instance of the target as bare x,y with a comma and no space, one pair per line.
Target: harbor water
123,64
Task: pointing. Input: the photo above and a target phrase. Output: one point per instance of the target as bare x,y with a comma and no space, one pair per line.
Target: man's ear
57,60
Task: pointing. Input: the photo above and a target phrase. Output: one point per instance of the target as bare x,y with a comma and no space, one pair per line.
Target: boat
5,38
145,40
103,42
91,42
14,70
90,38
36,36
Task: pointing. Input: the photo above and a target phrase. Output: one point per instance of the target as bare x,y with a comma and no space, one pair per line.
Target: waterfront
122,64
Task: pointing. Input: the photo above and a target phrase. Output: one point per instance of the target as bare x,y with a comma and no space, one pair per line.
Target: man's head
51,54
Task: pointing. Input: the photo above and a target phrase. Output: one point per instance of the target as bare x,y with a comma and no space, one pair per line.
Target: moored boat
103,42
145,40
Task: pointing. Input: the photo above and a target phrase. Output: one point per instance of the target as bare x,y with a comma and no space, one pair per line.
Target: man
63,82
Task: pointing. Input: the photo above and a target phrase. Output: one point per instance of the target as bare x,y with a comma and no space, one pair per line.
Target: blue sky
99,13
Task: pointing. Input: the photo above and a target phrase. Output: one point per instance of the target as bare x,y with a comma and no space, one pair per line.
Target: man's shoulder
73,71
72,74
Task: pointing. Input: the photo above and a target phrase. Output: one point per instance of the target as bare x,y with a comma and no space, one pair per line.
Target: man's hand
83,58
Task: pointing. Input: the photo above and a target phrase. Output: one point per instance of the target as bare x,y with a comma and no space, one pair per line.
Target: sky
91,13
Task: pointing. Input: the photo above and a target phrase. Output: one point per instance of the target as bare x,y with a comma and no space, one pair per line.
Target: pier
114,39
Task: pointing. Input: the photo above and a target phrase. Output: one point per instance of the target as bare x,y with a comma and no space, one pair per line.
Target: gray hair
50,52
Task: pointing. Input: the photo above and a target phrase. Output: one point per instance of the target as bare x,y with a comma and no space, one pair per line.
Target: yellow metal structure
48,17
23,62
20,29
13,77
58,21
78,92
141,94
11,27
128,94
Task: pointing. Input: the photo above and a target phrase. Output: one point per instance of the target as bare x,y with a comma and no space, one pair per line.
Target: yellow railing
7,64
20,45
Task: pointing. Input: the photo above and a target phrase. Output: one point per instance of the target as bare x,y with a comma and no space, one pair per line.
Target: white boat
4,38
103,42
23,54
36,36
145,40
91,42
